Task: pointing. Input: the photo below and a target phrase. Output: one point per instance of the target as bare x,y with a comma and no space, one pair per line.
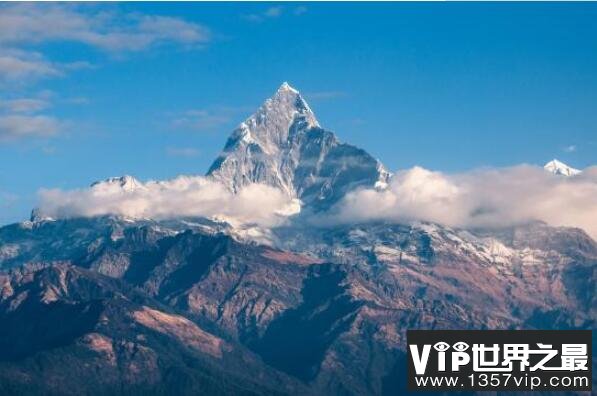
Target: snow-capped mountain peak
283,145
286,87
559,168
269,126
126,183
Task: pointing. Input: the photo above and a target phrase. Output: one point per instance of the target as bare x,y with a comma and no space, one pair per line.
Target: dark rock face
307,331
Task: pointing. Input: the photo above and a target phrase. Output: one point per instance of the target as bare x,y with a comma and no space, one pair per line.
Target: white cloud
273,12
21,118
206,120
269,13
24,105
17,65
200,120
28,23
300,10
77,100
18,126
182,151
570,149
23,26
49,150
482,198
179,197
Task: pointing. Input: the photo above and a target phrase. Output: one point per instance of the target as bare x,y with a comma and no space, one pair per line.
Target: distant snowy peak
559,168
126,183
282,145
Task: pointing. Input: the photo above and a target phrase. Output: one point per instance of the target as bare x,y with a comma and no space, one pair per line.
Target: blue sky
153,90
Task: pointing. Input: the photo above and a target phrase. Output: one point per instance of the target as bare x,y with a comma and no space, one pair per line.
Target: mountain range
126,305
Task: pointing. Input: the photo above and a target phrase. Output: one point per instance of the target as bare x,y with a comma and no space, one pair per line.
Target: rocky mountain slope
113,305
67,330
331,309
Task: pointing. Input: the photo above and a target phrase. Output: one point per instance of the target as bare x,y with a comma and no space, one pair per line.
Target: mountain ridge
353,290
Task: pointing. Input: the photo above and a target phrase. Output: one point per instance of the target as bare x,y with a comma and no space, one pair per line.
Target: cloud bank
480,198
272,13
184,196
